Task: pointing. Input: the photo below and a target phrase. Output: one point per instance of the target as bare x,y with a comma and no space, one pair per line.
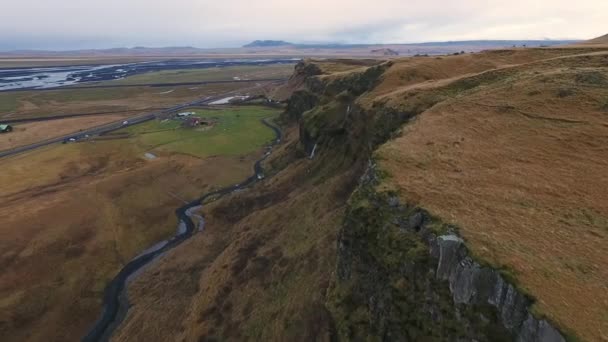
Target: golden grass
519,164
426,71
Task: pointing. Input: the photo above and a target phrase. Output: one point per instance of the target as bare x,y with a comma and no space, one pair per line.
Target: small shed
196,121
6,128
192,122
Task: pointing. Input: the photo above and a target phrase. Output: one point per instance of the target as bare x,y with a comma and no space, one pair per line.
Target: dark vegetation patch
384,284
604,105
469,83
313,322
241,206
592,78
248,308
73,251
564,92
244,254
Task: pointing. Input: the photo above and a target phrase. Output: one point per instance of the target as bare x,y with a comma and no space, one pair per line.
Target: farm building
6,128
185,114
193,122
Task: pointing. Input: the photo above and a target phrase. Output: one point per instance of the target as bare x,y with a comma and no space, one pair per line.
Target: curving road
98,130
74,115
115,304
116,125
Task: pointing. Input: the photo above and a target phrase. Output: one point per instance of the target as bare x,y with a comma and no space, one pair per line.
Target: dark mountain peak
266,43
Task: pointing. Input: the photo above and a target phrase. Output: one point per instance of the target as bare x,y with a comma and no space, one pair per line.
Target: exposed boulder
538,330
472,283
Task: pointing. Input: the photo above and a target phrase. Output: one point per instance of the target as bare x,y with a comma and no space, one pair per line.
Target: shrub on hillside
604,105
592,77
564,92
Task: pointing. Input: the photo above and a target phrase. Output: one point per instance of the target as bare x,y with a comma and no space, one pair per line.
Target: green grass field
238,131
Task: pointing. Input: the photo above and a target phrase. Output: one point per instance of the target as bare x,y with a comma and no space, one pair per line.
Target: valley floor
72,215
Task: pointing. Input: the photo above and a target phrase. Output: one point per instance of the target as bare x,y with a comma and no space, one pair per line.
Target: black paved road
113,126
74,115
81,134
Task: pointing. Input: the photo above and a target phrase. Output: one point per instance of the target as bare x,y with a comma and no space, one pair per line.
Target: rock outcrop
472,283
408,276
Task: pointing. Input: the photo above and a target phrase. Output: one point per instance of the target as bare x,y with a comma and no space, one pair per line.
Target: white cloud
225,22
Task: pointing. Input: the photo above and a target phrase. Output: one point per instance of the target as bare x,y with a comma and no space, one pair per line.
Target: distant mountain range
266,43
480,43
266,48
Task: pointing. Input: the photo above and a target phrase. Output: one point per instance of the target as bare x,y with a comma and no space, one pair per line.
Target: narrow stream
115,301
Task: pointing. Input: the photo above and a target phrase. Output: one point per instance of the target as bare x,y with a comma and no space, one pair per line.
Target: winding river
115,301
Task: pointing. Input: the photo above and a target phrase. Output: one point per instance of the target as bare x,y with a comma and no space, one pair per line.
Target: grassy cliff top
512,148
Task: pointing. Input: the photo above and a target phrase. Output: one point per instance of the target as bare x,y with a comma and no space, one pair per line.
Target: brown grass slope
259,271
598,43
599,40
508,145
518,161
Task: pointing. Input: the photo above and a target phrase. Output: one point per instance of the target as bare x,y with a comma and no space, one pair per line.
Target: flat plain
85,209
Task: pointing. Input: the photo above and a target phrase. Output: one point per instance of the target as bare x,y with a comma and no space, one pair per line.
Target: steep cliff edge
516,94
405,275
511,157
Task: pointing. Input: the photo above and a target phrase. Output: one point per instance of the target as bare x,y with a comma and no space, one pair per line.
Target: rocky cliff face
387,286
325,109
404,275
472,283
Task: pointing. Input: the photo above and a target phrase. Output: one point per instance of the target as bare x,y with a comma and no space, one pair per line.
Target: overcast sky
72,24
